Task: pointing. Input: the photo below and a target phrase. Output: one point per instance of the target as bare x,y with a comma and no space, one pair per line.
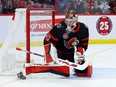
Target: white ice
104,72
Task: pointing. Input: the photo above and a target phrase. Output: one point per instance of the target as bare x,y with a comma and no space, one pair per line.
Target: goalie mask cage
28,30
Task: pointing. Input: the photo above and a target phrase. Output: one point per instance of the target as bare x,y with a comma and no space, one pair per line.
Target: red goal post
36,12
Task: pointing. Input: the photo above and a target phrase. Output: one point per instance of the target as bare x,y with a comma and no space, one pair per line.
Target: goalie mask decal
71,43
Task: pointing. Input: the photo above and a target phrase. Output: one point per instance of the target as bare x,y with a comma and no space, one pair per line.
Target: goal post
50,18
28,30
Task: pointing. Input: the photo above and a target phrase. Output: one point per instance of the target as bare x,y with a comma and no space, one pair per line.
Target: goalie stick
19,49
65,62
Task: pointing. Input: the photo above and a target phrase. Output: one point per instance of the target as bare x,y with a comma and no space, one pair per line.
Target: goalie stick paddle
75,65
66,62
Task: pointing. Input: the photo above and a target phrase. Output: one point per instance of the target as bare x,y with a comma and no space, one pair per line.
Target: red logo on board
41,26
104,25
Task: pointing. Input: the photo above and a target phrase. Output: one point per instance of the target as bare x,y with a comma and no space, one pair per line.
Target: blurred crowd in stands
61,6
86,6
9,6
103,7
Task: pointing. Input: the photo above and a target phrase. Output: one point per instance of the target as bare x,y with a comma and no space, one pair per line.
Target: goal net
28,30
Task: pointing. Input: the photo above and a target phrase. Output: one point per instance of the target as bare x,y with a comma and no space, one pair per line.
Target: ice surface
104,72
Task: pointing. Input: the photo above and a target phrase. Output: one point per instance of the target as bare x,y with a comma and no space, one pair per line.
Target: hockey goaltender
67,35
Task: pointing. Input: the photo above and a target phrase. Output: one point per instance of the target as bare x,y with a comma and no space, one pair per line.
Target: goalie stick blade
75,65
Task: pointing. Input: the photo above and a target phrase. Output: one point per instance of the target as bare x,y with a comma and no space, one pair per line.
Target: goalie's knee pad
84,73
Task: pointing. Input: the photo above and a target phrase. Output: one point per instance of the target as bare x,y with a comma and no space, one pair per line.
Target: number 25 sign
104,25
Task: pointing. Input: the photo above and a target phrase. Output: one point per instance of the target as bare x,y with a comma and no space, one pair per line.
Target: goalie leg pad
84,73
56,69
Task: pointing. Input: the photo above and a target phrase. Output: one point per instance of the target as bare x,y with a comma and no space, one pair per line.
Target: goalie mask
71,18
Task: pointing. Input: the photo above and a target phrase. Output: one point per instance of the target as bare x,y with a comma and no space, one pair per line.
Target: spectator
68,7
86,7
77,6
96,9
15,4
98,2
22,4
9,6
112,5
29,3
36,5
105,7
0,7
62,6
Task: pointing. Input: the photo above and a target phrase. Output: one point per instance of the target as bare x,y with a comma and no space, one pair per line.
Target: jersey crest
71,43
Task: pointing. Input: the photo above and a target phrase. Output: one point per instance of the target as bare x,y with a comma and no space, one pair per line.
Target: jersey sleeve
52,36
84,37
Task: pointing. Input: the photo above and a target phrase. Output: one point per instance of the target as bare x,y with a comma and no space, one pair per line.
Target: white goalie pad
53,53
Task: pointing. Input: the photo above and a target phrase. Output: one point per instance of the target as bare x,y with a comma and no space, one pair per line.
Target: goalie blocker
51,66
